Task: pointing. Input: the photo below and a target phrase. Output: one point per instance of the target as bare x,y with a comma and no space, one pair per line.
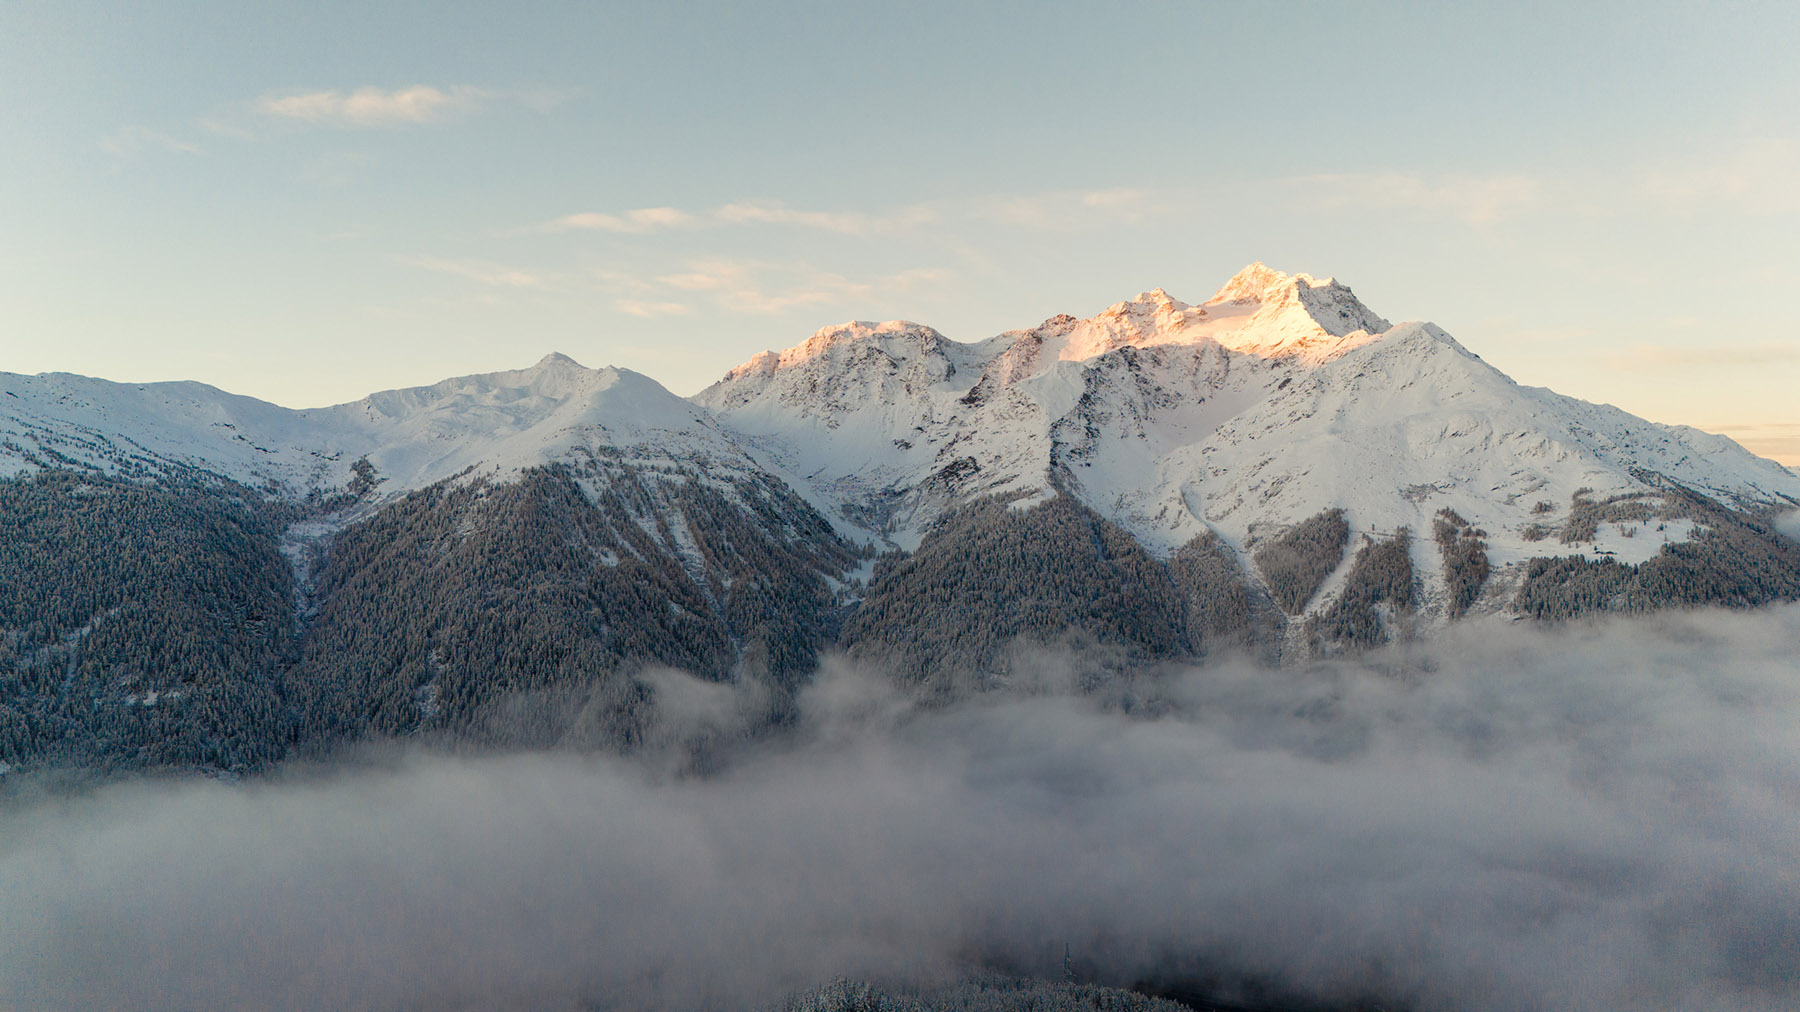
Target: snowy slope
496,423
58,418
617,429
1402,427
1279,397
891,422
500,423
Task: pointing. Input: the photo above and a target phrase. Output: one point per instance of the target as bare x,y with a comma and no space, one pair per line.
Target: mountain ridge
191,577
895,420
1170,419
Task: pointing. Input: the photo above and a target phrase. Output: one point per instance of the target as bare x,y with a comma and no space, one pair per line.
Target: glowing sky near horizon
307,203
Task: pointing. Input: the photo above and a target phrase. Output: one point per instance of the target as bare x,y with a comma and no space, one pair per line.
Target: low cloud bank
1789,524
1509,818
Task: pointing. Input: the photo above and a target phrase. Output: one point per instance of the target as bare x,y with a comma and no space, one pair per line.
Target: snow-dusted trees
1218,603
989,573
1465,559
1297,562
1587,514
1735,559
1382,574
141,624
974,994
154,623
489,602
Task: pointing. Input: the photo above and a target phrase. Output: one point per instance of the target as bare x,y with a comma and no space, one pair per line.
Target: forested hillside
993,572
1735,559
142,624
485,608
157,623
189,621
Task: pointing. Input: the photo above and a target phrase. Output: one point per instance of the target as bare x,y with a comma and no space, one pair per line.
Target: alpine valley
194,579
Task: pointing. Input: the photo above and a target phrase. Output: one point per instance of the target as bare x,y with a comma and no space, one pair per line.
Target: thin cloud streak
1660,358
1039,211
131,140
1742,175
1778,441
1745,175
769,289
1065,209
370,106
844,222
643,219
648,310
1474,200
775,213
1755,176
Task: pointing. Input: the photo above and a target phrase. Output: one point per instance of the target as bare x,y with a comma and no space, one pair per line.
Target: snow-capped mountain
494,423
612,428
195,578
1280,396
191,578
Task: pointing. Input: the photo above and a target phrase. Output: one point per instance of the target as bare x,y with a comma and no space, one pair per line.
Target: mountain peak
1293,314
555,373
557,360
1153,305
864,329
827,344
1254,283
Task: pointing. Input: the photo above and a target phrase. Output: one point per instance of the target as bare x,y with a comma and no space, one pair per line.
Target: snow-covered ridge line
496,423
1279,396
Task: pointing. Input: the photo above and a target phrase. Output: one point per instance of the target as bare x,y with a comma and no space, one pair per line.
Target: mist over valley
1503,818
1259,653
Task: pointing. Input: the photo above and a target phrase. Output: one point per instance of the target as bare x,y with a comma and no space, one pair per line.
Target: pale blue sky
309,203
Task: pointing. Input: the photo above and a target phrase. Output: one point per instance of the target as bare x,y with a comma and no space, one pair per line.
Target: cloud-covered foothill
1598,817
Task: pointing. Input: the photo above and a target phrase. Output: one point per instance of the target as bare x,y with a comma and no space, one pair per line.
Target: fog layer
1789,524
1603,817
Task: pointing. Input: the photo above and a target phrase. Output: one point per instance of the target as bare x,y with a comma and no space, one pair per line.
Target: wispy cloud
746,286
772,288
1063,209
485,272
1740,175
1125,199
1755,175
639,307
643,219
1778,441
751,212
1474,200
131,140
1721,175
366,107
1054,210
846,222
1656,358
